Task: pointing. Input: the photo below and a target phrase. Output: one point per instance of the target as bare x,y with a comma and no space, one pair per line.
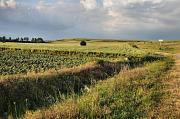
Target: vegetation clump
83,43
22,40
135,46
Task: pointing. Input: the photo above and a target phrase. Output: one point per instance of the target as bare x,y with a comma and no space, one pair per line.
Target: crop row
127,52
14,62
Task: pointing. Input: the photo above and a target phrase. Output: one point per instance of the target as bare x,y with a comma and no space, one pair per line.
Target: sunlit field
103,79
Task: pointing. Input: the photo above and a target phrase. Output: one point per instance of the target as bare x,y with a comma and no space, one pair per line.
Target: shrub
135,46
83,43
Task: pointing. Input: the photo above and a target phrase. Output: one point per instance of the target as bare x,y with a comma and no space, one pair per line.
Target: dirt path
175,87
170,107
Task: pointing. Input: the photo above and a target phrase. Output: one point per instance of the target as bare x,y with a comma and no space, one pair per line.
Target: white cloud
110,3
140,1
40,5
7,3
89,4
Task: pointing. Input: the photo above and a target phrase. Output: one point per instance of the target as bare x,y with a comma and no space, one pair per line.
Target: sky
109,19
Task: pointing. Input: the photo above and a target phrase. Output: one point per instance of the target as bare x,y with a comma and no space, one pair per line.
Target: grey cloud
151,19
7,4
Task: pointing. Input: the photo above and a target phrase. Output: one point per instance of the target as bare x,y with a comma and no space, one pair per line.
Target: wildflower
86,89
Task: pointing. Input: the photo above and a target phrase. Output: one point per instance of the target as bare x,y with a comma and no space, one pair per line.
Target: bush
135,46
83,43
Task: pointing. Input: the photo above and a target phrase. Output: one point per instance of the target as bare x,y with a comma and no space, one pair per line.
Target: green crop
14,62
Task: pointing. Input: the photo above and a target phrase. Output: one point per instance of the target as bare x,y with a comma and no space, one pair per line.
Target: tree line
22,40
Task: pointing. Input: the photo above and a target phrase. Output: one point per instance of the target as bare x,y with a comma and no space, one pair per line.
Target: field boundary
170,104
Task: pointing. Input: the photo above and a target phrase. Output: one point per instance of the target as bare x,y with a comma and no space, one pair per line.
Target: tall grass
34,91
29,92
130,94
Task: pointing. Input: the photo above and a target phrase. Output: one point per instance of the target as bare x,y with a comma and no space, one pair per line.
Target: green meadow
106,79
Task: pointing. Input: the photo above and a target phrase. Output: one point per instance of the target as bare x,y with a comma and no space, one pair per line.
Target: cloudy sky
120,19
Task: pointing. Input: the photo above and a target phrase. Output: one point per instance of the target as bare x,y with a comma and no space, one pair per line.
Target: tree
22,39
10,39
26,39
33,40
37,40
40,40
83,43
4,39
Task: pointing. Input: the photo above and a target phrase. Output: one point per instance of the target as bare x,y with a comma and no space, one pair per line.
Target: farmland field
70,45
105,79
14,62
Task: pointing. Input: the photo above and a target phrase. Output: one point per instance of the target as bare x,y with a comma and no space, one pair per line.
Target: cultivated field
105,79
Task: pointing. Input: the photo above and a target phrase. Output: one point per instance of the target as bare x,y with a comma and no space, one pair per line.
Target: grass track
170,104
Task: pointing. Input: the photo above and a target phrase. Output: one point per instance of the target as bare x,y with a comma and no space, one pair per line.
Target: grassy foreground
37,90
130,94
123,81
